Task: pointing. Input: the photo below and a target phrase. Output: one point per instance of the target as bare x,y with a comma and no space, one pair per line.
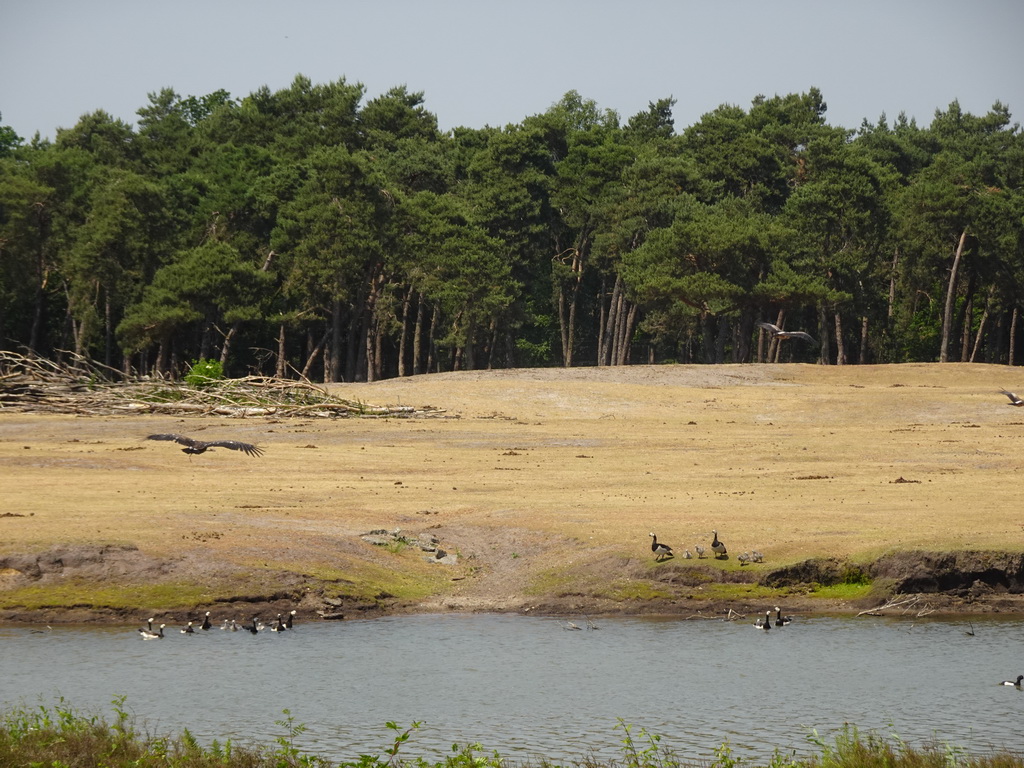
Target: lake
530,688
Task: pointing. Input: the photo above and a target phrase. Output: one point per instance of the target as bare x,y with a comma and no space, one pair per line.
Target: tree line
311,232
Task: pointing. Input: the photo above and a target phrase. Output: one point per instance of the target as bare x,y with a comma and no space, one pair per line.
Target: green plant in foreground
204,372
59,737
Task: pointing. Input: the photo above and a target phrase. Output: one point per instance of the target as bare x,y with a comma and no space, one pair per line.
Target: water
528,688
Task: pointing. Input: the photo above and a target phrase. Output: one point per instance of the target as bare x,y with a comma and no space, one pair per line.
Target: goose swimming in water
780,620
149,634
289,619
1014,682
661,551
206,622
764,623
188,630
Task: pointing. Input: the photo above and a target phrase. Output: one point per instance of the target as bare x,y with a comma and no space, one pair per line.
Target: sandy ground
544,483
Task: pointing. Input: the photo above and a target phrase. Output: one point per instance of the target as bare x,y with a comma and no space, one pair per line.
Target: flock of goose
663,551
284,622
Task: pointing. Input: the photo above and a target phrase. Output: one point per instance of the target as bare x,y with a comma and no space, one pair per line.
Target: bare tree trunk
825,353
947,316
432,361
404,335
862,358
281,369
605,353
965,336
108,331
774,347
1013,334
563,329
417,336
981,323
314,354
840,347
892,280
225,348
332,364
627,345
602,319
161,357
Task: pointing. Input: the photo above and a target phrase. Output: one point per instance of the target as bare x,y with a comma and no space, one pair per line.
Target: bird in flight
1014,400
193,446
777,332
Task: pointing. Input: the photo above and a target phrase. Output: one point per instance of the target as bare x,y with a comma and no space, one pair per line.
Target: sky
485,62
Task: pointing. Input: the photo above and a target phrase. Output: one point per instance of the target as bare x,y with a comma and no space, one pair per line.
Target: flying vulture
193,446
778,333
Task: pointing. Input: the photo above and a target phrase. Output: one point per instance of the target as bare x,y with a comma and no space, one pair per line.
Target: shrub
204,372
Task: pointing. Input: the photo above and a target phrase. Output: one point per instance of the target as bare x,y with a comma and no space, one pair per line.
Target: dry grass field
543,482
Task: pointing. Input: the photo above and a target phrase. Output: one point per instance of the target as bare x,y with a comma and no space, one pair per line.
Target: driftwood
84,387
906,604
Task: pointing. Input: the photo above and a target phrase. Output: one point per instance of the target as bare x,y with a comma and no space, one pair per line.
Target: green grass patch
408,577
855,591
80,593
635,589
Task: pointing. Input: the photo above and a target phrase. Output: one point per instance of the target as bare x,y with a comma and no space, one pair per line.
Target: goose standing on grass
756,557
1014,400
718,547
661,551
206,622
149,634
780,620
699,550
744,558
1013,682
764,623
687,555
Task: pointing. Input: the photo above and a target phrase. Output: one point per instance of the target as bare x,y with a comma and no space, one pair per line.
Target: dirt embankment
907,582
541,487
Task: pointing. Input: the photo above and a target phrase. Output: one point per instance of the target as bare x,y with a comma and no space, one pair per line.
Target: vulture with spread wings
1014,400
777,332
193,446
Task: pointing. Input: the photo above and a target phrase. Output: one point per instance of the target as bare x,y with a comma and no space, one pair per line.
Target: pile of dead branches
81,386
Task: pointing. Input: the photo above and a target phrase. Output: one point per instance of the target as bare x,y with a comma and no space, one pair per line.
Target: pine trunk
947,316
282,361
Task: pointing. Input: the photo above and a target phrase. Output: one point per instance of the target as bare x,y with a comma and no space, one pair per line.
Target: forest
314,233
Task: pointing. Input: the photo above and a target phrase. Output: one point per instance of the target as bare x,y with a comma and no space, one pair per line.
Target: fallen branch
906,603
